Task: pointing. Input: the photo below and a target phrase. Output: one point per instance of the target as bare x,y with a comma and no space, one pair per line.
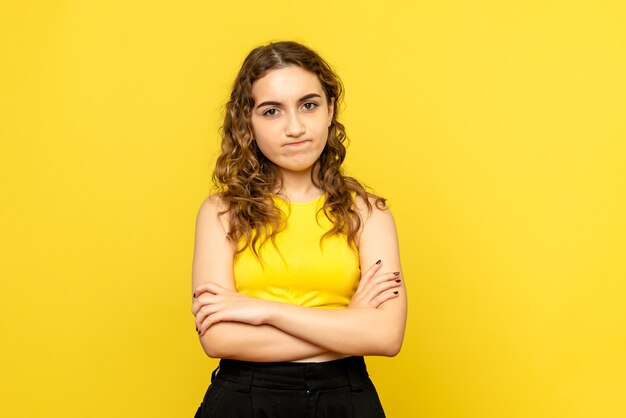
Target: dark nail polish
379,261
395,293
396,273
398,281
194,294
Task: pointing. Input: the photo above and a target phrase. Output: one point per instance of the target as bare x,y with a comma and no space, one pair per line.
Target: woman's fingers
205,294
368,274
384,297
209,287
377,290
224,305
382,287
208,322
204,299
204,312
381,284
381,278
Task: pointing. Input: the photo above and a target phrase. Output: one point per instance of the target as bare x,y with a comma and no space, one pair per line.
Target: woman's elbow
389,348
390,345
211,350
217,351
393,349
215,347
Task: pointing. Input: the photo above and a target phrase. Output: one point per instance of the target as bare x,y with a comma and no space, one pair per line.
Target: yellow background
496,129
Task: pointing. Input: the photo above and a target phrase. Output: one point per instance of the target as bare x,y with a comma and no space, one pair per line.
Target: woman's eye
314,105
267,112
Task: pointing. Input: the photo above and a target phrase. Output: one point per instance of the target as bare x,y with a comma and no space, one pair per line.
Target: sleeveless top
300,269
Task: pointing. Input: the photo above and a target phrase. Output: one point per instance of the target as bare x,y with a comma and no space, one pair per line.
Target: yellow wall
496,129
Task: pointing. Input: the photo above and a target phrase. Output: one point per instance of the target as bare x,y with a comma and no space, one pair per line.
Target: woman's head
258,142
246,129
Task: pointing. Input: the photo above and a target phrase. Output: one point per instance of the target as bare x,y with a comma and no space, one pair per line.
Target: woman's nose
295,127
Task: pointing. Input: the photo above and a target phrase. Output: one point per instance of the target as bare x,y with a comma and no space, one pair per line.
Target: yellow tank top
310,273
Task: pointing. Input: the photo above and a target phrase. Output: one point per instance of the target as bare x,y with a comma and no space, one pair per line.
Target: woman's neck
298,186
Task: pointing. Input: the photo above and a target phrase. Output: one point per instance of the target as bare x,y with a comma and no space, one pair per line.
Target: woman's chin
296,169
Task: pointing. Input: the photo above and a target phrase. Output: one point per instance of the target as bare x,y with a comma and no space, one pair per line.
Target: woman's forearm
351,331
262,343
361,331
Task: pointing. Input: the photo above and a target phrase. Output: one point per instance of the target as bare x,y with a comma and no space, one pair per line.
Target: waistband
349,371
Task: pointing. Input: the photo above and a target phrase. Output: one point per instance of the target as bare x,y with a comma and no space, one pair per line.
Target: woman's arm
213,262
355,331
239,341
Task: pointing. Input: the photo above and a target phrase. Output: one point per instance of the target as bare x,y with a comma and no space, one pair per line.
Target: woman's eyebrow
303,98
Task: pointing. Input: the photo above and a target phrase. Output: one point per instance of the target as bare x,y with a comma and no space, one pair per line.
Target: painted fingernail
379,261
398,281
194,294
396,273
395,293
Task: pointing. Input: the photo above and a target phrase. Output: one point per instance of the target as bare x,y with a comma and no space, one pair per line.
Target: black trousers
333,389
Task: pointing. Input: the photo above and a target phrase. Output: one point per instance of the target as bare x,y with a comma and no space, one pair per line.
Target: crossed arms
232,325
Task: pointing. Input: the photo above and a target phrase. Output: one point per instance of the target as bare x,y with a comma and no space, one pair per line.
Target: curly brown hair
246,179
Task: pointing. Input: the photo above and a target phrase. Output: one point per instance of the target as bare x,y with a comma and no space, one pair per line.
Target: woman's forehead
287,83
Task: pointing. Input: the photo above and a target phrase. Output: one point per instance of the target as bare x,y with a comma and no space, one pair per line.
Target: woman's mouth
295,144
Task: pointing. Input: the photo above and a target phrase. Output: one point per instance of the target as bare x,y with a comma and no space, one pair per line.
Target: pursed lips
296,143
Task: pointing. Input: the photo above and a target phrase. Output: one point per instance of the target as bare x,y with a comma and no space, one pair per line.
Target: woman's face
291,117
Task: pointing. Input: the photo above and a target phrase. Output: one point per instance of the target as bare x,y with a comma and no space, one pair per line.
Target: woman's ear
331,110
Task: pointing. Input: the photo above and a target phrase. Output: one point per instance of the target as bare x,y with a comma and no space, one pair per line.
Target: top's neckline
311,202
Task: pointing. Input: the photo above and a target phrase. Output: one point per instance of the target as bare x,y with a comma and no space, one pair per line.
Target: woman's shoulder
214,207
376,217
213,203
373,205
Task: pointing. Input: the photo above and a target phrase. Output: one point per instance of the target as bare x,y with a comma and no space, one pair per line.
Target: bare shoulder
213,209
377,222
373,213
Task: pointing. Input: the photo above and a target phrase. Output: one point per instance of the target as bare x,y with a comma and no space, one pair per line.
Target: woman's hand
375,289
214,303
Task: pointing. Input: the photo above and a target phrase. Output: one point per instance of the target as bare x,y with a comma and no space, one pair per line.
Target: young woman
296,268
